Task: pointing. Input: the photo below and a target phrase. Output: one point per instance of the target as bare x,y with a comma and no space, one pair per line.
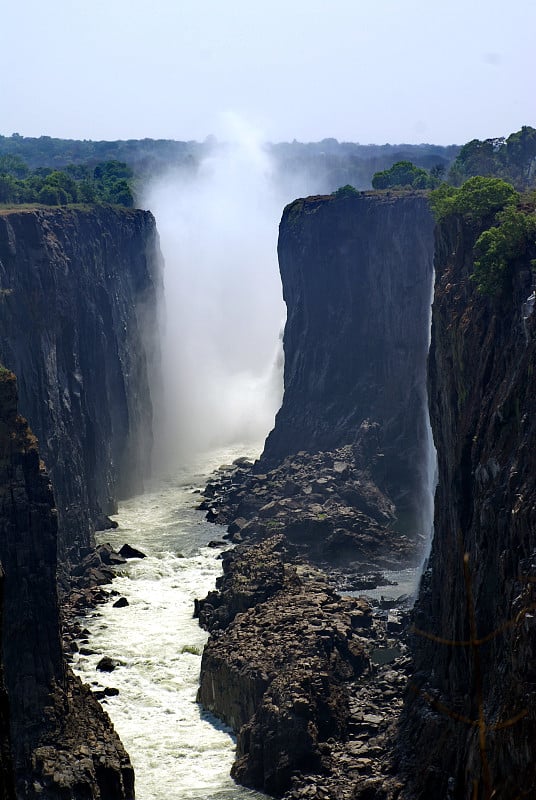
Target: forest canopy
108,182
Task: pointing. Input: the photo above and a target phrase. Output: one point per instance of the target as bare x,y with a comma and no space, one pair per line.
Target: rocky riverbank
311,681
325,504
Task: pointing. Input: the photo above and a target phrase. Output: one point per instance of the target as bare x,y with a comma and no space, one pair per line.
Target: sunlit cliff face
224,310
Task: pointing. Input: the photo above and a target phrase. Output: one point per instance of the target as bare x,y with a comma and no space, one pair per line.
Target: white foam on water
177,750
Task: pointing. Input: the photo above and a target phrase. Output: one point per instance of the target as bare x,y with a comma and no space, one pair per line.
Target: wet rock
282,668
121,603
131,552
107,664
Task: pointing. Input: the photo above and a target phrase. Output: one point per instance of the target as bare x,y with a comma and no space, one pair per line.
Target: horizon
212,139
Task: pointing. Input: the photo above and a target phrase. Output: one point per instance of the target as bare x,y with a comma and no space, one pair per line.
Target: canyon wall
62,743
469,726
77,316
7,785
357,280
78,319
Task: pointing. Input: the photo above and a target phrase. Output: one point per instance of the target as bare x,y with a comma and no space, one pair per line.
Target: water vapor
224,312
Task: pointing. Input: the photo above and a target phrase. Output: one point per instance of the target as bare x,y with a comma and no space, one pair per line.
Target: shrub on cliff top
497,249
475,200
345,191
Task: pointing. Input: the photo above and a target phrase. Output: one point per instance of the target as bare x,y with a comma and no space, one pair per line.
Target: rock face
288,667
325,505
7,787
483,414
77,317
63,744
357,281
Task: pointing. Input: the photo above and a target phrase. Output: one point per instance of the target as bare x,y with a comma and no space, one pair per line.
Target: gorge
341,494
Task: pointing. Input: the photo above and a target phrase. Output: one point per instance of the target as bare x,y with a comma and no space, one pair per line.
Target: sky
369,71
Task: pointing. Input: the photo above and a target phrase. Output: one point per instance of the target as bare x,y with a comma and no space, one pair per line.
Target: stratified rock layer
357,280
63,744
78,304
483,414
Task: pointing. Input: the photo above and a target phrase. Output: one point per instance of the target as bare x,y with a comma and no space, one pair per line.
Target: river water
177,750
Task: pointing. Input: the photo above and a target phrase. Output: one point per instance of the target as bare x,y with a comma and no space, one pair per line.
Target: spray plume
222,361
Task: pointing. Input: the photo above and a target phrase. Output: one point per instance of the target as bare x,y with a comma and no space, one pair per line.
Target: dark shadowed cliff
357,281
482,388
77,314
63,744
7,785
289,662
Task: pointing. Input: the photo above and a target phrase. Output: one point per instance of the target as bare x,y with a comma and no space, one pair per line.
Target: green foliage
512,159
406,174
346,191
106,183
441,201
475,200
505,224
50,196
192,649
497,249
14,166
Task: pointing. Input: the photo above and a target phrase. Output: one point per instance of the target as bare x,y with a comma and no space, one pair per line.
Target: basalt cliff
311,680
346,472
62,743
78,290
357,281
77,321
469,725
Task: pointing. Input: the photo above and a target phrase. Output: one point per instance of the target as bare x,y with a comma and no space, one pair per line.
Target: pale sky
357,70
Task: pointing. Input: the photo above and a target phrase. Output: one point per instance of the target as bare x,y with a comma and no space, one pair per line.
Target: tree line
107,182
512,159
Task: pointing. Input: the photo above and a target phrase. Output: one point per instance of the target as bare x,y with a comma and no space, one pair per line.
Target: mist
224,312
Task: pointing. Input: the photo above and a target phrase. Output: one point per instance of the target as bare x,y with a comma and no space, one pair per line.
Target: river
177,750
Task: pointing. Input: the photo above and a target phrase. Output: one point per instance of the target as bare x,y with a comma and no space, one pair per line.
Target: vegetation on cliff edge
504,226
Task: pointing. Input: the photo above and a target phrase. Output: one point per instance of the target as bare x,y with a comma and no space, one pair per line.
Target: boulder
131,552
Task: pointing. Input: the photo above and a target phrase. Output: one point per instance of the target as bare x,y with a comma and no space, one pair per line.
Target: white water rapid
177,750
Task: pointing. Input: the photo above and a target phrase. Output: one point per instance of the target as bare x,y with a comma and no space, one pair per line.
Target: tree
402,174
346,191
477,158
497,249
63,182
49,195
14,166
119,194
521,154
477,199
